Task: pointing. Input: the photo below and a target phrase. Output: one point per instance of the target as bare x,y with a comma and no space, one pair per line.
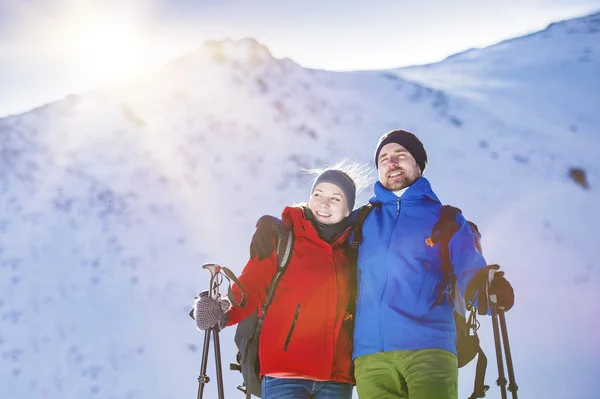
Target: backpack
467,340
247,333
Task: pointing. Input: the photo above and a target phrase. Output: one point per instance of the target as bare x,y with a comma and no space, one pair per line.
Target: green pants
420,374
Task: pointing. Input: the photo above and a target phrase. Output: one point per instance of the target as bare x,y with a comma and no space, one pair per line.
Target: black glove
505,295
267,229
210,313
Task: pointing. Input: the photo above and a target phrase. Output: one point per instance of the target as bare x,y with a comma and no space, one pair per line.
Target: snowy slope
112,200
547,81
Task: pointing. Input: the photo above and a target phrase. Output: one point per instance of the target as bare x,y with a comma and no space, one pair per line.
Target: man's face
397,168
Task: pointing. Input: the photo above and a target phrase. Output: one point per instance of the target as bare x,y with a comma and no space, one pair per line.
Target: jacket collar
419,190
293,217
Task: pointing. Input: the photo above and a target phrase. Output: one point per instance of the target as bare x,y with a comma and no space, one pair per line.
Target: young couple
403,342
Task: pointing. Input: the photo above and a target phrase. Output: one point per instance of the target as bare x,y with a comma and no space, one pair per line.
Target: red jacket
302,334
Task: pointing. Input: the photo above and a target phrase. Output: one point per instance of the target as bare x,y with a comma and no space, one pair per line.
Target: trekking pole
512,386
203,379
492,305
500,340
501,381
217,350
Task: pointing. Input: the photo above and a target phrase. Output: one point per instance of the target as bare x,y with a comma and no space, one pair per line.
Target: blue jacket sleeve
465,257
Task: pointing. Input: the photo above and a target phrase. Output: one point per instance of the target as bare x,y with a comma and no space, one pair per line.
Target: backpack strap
361,215
442,232
352,252
284,254
477,235
285,244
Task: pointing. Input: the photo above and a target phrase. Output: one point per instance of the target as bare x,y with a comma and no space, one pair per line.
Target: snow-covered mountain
546,82
112,200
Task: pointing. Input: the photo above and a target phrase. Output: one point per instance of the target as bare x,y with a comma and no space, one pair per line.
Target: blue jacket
400,276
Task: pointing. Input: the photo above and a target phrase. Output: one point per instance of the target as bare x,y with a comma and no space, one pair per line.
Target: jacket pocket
289,336
430,275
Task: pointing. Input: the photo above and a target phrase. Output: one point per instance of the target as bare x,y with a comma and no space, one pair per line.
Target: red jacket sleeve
255,280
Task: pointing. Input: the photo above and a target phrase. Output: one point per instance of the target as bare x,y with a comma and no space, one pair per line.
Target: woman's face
328,203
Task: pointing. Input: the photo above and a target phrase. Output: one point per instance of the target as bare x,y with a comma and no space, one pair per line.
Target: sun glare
107,51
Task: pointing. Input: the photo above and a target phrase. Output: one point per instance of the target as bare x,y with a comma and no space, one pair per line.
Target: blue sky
51,48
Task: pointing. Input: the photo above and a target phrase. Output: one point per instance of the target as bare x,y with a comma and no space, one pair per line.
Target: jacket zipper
289,336
381,336
358,291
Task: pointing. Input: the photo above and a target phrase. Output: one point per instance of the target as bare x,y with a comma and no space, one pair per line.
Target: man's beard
405,182
397,186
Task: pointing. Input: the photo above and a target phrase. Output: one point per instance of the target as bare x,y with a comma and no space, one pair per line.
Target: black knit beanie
407,140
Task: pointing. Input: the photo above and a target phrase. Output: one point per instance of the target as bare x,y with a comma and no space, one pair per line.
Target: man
404,339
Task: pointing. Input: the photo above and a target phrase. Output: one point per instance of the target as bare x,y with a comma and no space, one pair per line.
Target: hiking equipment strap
284,254
480,388
355,241
232,278
359,220
442,232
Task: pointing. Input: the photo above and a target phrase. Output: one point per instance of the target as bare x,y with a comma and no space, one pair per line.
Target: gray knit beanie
340,179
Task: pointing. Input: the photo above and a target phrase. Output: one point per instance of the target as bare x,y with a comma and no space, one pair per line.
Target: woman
305,348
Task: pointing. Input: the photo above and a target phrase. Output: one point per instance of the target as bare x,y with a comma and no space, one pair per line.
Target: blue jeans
299,388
